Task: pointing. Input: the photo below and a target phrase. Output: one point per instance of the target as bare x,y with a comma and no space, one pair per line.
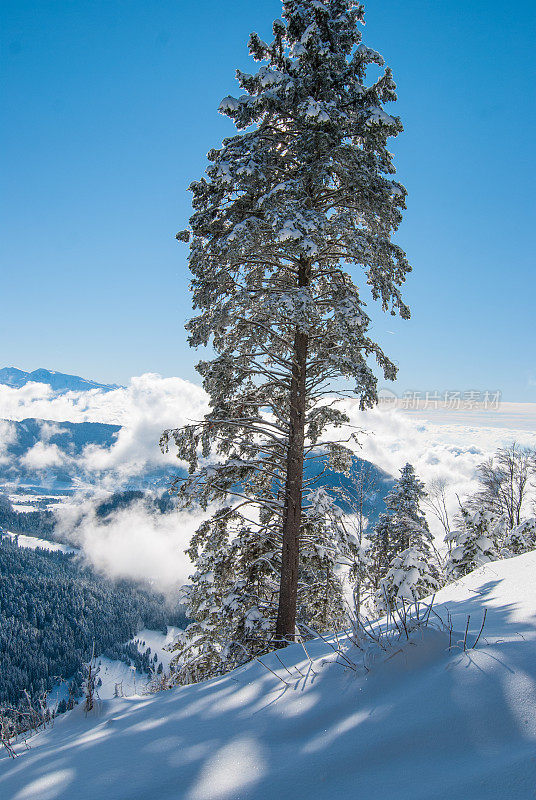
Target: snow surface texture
425,723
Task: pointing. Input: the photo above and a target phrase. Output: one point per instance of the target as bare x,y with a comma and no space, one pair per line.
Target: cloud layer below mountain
135,542
148,405
432,440
138,543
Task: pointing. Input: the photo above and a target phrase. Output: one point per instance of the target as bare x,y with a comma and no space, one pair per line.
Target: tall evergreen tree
301,192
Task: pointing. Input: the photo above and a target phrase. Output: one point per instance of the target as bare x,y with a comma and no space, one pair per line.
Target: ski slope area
424,723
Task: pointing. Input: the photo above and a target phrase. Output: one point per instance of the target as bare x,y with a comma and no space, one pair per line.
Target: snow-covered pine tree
403,525
231,598
411,576
233,594
408,525
404,564
472,545
301,192
520,539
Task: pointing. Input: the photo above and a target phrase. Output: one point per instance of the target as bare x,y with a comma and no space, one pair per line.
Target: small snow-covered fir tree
411,576
403,526
404,564
303,190
472,545
520,539
408,525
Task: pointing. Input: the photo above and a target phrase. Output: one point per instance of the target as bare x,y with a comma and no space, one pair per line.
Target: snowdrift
425,723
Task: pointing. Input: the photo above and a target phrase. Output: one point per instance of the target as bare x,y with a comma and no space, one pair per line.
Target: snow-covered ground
158,642
424,723
119,678
34,502
33,542
31,502
128,680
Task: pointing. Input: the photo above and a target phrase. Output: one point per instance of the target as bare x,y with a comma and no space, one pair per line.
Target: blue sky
109,109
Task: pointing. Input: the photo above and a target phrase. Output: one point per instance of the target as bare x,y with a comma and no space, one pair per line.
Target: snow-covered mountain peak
58,381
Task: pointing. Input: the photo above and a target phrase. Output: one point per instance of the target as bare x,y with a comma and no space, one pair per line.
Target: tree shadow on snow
425,724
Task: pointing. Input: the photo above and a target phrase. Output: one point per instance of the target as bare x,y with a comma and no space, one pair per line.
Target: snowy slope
118,677
33,542
425,724
128,679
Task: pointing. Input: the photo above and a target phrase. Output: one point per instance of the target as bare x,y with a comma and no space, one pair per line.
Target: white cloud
135,542
449,451
166,399
50,429
8,435
147,406
392,437
138,543
43,456
453,444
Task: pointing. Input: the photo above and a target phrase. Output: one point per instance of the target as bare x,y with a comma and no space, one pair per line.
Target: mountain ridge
58,381
50,455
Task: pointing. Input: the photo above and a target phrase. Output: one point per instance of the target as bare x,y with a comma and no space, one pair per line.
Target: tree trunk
288,589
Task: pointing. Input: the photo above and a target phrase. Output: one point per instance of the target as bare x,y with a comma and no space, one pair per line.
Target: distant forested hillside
39,523
52,610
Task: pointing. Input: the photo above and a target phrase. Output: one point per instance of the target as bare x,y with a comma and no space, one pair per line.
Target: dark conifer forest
52,609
